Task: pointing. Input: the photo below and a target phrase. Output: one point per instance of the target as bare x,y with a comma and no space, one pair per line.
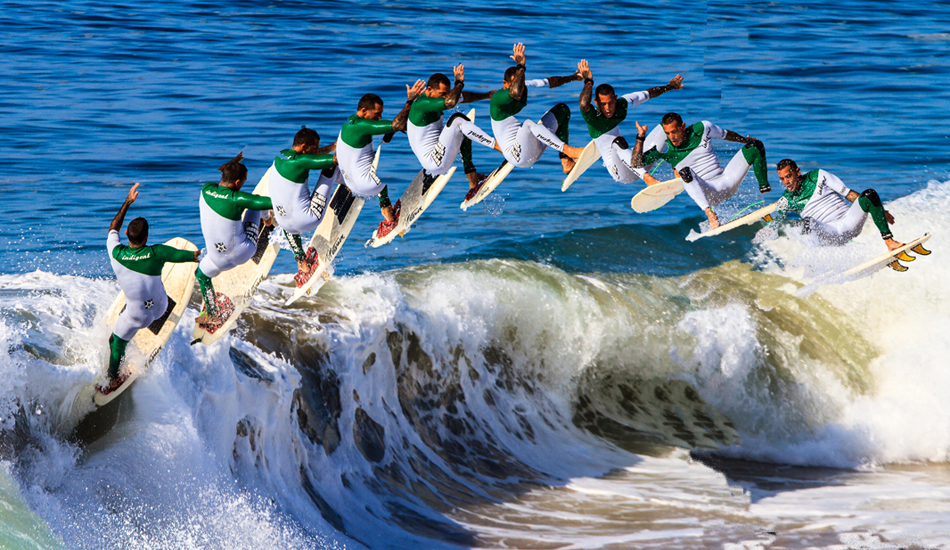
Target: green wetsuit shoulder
296,166
358,132
673,154
598,124
504,106
231,204
149,260
425,110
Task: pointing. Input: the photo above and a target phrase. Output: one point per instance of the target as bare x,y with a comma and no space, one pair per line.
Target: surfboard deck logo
179,282
239,284
418,197
655,196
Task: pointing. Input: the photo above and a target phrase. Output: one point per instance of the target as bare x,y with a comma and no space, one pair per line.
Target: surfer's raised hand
518,54
584,69
133,194
676,82
416,90
641,130
459,71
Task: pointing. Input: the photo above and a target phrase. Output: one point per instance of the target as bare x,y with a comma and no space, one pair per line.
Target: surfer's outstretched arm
119,218
587,92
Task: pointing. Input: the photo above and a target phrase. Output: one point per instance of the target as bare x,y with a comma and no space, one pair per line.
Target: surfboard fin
903,256
896,266
919,249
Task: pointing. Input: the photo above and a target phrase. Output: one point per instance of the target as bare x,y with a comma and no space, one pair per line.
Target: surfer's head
438,85
233,173
137,232
606,100
370,107
789,174
509,77
674,128
307,141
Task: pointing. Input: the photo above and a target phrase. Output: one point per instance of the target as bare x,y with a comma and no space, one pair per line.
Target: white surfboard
179,282
748,219
493,180
866,268
239,283
342,210
655,196
420,194
588,157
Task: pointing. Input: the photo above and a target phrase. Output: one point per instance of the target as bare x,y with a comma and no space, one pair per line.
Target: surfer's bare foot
650,180
893,245
474,178
114,383
713,220
573,152
567,164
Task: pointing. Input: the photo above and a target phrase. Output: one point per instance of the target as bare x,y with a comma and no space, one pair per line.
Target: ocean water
549,370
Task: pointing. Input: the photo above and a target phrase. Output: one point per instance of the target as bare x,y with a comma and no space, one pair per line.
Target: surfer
691,154
603,122
522,144
296,209
355,150
138,268
831,211
230,223
436,143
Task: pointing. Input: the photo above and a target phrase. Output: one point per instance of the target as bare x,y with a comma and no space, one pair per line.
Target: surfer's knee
868,198
686,174
456,116
562,113
620,142
753,150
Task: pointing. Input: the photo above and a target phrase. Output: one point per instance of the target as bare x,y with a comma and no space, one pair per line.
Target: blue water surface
96,96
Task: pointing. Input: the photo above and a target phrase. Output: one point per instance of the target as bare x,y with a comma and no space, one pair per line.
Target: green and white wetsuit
605,130
522,144
436,144
296,209
139,272
230,223
821,202
709,184
354,153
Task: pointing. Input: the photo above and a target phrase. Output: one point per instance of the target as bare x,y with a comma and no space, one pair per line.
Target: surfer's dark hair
138,231
437,80
510,73
369,101
786,163
671,117
233,170
605,89
307,136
